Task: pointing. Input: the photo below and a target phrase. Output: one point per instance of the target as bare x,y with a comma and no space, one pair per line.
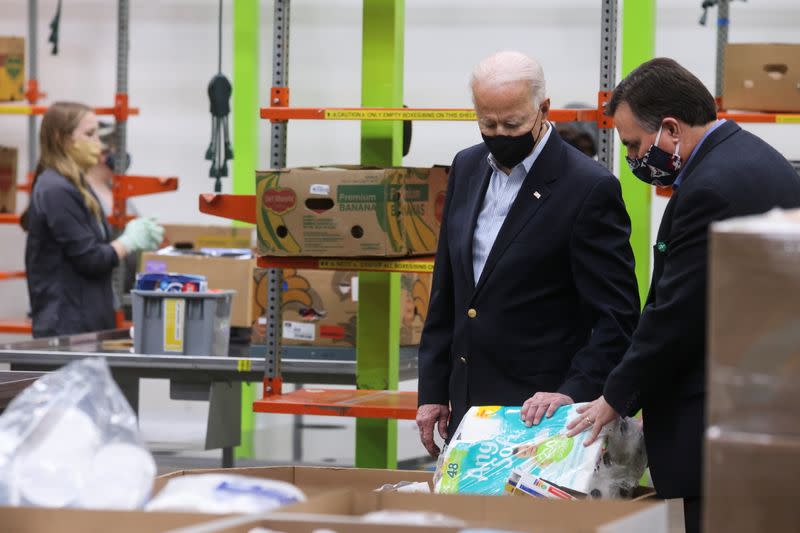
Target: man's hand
542,404
428,416
596,415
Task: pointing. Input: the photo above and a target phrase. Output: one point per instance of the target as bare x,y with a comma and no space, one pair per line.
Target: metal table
194,377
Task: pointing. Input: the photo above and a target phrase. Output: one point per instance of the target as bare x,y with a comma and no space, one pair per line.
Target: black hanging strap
54,25
219,150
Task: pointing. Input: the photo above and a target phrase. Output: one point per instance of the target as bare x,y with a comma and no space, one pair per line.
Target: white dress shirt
500,195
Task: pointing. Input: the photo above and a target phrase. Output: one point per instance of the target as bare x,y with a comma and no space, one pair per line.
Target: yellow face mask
85,153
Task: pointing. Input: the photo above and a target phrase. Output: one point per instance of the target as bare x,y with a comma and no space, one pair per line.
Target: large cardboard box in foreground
350,211
40,520
320,307
8,179
508,512
751,483
231,273
752,463
12,69
324,487
762,77
754,324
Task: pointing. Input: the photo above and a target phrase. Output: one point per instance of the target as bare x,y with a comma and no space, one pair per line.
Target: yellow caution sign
244,365
174,316
787,119
399,114
373,265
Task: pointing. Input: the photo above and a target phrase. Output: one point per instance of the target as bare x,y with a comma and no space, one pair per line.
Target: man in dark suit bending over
534,296
667,120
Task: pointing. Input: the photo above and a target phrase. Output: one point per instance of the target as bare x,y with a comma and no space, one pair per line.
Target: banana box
8,179
12,69
320,308
349,211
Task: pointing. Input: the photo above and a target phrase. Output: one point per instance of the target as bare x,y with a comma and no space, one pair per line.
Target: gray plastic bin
181,323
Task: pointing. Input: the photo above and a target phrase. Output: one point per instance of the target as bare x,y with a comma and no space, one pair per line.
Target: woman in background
69,254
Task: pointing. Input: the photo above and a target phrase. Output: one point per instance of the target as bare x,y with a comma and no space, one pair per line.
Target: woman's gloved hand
143,234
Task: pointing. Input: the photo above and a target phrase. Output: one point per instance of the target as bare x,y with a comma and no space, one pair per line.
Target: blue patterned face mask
657,167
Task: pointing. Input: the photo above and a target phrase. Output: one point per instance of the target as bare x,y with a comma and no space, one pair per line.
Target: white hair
510,66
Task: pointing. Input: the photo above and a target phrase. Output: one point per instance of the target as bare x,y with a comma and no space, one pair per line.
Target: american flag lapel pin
536,195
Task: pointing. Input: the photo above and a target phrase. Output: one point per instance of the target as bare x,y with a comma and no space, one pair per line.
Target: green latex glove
141,234
155,235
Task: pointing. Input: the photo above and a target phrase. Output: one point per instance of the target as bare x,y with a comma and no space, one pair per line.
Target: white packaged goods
494,452
413,518
72,440
224,493
121,476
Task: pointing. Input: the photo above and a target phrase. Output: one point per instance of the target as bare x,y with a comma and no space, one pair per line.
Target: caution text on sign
399,114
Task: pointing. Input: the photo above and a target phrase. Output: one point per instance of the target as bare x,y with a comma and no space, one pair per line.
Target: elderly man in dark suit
667,120
534,296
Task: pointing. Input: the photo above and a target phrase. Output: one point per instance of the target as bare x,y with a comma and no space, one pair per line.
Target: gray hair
510,66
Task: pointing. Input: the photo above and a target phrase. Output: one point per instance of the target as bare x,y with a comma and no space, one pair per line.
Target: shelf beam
283,114
12,109
357,264
378,405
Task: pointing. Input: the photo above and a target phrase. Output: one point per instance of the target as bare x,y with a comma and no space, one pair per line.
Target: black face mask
510,150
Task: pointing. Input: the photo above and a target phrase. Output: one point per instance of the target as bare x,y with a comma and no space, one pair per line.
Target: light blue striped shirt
500,195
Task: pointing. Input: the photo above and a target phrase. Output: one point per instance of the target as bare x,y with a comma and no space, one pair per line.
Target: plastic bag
405,486
71,440
224,493
494,452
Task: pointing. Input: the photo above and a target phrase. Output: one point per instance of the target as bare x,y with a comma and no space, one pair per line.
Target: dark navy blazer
733,173
557,300
68,260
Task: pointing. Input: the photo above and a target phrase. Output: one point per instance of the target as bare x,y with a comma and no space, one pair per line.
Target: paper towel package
494,452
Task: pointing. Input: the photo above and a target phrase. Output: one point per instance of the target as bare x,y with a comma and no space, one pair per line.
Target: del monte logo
279,200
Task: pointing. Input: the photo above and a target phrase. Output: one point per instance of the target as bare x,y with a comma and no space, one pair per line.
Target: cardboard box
8,179
762,77
349,492
320,307
43,520
12,69
323,486
313,480
198,236
232,273
305,523
350,211
754,324
501,512
751,483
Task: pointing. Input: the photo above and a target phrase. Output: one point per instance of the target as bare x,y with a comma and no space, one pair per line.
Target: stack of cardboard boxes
753,436
346,212
319,306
